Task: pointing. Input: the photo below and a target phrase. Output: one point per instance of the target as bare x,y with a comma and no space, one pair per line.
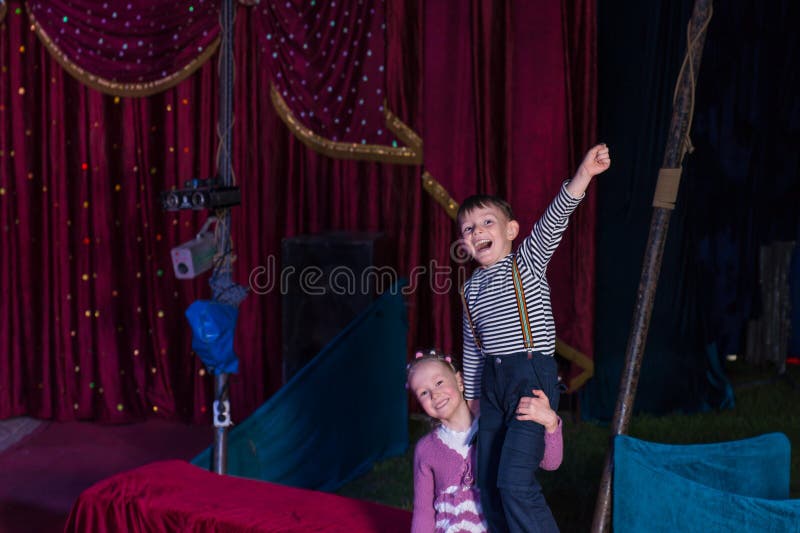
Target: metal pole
677,145
225,130
222,419
225,123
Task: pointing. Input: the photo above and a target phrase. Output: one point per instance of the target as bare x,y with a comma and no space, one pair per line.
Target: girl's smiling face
438,389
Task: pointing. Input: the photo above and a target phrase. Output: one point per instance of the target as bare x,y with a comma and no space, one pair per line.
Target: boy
509,342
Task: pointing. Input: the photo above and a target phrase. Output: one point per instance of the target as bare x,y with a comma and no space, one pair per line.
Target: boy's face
488,234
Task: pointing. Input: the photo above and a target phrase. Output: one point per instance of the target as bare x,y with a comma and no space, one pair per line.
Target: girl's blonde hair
431,354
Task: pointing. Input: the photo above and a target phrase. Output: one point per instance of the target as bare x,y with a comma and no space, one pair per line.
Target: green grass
762,406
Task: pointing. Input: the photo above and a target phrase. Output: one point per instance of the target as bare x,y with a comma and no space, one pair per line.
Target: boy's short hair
484,200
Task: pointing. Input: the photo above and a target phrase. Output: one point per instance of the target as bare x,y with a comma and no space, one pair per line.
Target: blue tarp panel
740,485
346,409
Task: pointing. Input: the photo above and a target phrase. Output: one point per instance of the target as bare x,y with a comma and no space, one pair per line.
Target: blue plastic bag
213,325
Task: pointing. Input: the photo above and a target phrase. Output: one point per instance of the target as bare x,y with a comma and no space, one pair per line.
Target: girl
446,498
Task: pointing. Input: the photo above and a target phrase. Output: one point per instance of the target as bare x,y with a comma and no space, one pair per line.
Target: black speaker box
329,279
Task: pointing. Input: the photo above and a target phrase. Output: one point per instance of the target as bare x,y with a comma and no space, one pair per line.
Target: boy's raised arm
539,246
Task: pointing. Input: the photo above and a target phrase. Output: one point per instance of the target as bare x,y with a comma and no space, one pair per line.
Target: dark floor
48,464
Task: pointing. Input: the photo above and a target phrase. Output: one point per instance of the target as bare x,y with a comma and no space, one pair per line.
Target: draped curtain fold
93,324
328,66
136,48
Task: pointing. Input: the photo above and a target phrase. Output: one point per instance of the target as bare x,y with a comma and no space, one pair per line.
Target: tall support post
222,418
678,144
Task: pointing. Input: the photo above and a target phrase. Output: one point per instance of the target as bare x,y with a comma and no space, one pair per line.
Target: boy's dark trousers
509,450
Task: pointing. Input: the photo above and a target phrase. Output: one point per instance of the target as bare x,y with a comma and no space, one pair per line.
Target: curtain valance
128,48
326,61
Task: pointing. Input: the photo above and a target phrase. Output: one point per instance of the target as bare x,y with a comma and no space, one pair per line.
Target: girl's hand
537,409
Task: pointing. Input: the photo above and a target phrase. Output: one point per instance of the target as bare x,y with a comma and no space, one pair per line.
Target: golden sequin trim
440,194
571,354
402,131
411,155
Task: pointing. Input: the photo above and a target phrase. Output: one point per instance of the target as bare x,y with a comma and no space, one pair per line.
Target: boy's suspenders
524,320
475,336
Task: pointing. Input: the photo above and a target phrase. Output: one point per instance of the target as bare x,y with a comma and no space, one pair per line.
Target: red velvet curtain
92,319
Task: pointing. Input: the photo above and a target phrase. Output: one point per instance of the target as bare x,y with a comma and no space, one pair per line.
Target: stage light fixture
194,257
201,194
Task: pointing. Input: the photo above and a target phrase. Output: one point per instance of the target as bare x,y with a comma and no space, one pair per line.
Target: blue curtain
346,409
740,189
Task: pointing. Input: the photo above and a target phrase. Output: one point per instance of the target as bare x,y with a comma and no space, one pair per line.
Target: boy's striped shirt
490,296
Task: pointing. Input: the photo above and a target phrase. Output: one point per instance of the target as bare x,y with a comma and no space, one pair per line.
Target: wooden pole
663,202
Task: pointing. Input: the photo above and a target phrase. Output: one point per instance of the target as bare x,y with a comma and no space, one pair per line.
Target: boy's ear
460,381
512,229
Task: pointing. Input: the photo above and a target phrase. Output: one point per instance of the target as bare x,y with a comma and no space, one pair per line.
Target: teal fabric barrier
738,485
346,409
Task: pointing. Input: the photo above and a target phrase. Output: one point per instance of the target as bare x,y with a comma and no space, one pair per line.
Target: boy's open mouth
482,245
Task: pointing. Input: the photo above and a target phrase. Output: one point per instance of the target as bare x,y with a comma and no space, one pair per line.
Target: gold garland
440,194
116,88
411,155
402,131
579,358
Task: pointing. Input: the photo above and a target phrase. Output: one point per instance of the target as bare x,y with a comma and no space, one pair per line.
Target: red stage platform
170,496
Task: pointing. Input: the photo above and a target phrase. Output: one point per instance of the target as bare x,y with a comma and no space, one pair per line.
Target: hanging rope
688,60
222,286
669,179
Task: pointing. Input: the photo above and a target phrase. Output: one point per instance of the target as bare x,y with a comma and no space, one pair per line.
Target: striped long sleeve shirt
491,299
